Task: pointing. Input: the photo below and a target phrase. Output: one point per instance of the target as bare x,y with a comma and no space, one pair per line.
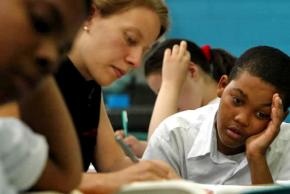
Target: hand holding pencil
126,148
137,146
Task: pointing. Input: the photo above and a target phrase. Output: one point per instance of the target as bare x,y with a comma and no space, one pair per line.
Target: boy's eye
237,101
45,18
41,25
262,116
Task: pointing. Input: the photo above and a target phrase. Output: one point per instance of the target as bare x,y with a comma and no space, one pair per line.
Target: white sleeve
162,147
23,153
278,156
284,173
5,187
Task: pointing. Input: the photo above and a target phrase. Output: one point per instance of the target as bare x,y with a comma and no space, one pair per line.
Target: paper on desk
187,187
53,192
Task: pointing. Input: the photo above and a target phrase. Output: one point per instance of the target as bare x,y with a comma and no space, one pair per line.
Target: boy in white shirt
235,141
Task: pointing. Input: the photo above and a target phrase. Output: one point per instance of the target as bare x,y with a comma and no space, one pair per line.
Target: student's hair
270,65
88,5
109,7
215,62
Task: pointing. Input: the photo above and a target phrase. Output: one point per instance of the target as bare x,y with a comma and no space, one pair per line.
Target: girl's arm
174,72
118,168
45,112
109,155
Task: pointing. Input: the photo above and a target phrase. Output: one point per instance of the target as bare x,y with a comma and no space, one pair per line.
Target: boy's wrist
255,156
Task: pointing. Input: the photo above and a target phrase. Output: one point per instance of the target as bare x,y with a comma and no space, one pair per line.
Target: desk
52,192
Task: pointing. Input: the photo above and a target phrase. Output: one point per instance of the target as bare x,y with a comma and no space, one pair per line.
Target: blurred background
232,25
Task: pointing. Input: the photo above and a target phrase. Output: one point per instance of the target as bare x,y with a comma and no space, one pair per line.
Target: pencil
125,122
126,149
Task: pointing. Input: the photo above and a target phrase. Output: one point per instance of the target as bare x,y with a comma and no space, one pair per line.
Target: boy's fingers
278,113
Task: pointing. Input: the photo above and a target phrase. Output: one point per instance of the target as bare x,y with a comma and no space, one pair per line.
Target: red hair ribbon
206,51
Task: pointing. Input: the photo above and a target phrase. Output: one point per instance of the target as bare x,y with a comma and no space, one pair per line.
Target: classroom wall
234,25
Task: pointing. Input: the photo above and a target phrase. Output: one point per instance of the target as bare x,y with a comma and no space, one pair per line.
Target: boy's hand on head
176,63
257,145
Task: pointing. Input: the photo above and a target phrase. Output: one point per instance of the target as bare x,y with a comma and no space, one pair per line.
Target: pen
125,122
126,149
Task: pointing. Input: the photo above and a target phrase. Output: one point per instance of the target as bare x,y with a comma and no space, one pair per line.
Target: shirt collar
204,139
216,100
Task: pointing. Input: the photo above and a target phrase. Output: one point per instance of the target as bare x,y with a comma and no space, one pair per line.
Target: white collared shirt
5,187
23,155
187,141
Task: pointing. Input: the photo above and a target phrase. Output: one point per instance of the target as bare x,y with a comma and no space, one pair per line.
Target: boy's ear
223,82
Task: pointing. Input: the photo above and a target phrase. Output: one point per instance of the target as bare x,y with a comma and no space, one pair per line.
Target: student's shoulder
282,140
187,120
13,126
199,114
284,133
14,134
19,143
10,126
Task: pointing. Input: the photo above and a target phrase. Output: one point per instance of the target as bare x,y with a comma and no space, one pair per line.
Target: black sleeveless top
83,99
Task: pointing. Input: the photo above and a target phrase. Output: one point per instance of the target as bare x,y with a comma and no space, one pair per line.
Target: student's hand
109,183
176,63
120,133
147,170
257,145
137,146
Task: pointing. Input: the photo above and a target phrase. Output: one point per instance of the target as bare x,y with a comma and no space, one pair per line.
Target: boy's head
269,64
46,28
246,96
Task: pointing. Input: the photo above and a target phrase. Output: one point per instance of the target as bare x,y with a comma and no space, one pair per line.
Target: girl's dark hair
216,64
270,65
